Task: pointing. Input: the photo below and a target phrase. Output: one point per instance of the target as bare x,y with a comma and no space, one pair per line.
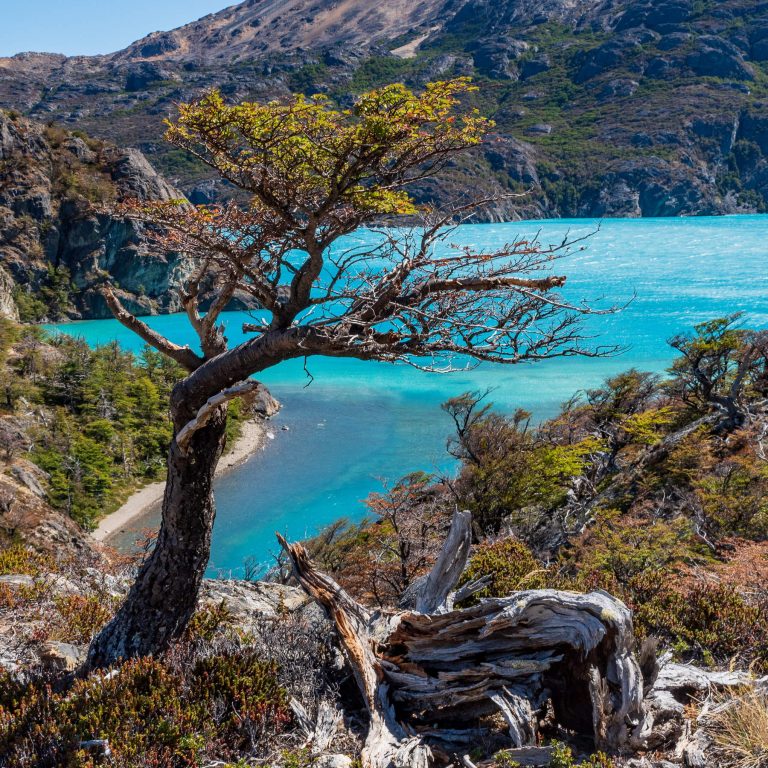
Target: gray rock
137,177
620,88
41,224
17,580
157,44
674,41
76,146
8,308
532,67
656,14
609,55
29,478
261,403
332,761
61,657
205,193
717,57
139,77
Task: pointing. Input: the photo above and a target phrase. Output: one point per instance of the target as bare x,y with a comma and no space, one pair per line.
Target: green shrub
562,757
711,623
17,559
511,566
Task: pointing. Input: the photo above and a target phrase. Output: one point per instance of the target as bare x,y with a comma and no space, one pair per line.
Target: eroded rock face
52,218
8,308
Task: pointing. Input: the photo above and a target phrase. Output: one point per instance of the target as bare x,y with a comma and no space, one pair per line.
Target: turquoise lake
358,425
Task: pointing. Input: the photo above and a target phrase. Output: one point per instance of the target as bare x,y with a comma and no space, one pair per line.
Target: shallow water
359,424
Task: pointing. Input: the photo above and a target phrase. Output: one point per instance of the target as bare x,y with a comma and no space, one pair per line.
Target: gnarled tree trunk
431,679
164,595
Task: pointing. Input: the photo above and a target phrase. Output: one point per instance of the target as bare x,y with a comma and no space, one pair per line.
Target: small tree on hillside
313,174
717,364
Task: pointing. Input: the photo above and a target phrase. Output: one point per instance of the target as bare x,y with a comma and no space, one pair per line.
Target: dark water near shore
359,424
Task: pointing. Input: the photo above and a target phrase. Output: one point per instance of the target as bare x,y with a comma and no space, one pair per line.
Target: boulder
531,67
656,14
61,657
614,53
496,60
136,177
139,77
620,88
332,761
716,57
205,193
31,477
156,44
673,41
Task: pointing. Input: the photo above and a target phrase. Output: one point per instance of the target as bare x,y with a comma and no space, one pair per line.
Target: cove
355,425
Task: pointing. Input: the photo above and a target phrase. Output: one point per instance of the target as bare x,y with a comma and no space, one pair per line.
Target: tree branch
481,283
184,356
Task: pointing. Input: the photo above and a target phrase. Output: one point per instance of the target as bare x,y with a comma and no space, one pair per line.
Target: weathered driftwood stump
432,675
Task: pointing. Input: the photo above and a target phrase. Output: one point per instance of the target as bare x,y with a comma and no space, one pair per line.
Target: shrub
83,616
17,559
562,757
510,565
619,547
709,623
167,713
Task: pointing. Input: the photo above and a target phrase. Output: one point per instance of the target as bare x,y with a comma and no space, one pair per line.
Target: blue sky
91,26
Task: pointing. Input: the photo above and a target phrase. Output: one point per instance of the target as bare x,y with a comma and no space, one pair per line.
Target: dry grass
739,729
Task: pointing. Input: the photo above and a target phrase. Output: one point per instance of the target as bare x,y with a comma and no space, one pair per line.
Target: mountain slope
258,27
603,107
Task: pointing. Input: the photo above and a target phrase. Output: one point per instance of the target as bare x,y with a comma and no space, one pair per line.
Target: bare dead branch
205,413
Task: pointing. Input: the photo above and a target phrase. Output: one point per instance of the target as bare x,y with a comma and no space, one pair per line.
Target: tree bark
164,595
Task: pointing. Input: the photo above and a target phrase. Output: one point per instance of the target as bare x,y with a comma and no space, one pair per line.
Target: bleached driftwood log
432,679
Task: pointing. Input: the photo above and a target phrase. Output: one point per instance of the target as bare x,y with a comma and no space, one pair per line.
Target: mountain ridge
603,107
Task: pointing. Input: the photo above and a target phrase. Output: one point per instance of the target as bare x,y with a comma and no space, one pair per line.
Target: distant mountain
603,107
260,27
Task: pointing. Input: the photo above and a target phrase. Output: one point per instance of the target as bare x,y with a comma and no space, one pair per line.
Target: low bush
710,623
167,713
510,565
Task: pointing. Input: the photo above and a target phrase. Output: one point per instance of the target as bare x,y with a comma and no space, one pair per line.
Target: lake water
358,425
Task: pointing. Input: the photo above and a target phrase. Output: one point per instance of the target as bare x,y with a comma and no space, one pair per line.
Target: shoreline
252,439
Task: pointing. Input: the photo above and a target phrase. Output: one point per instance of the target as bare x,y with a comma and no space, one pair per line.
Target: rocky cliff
55,245
603,107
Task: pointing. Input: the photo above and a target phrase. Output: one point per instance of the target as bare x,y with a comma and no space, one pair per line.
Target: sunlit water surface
358,425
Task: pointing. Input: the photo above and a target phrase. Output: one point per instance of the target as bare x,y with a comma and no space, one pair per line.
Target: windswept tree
313,174
717,364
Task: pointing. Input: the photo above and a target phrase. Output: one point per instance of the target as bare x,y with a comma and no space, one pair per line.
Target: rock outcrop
57,243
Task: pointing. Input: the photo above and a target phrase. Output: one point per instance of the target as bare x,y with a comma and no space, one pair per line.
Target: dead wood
433,680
